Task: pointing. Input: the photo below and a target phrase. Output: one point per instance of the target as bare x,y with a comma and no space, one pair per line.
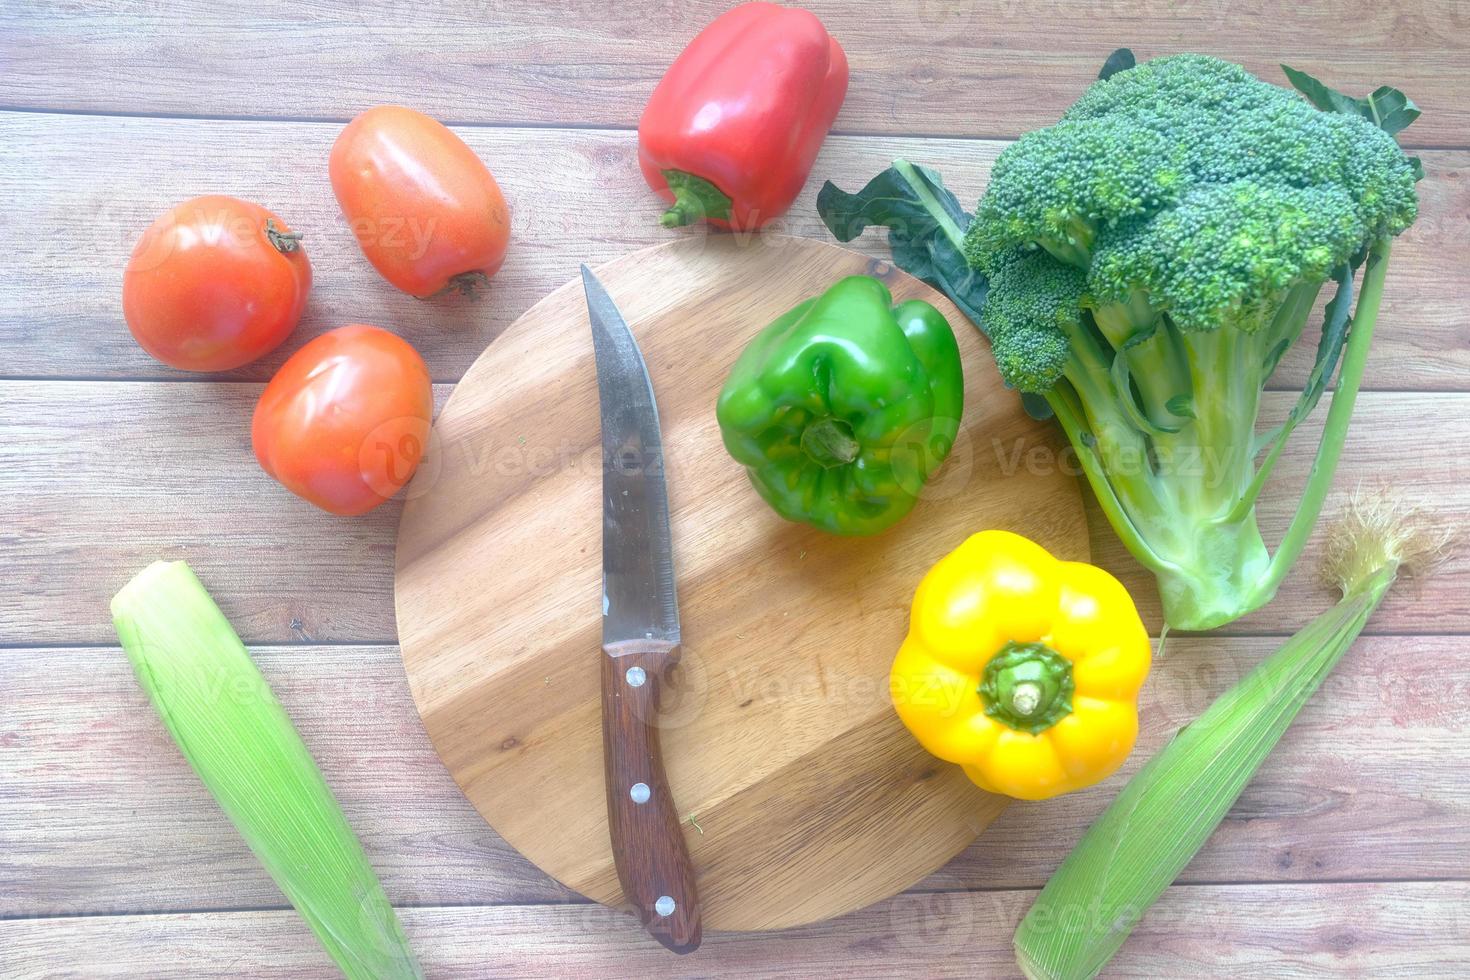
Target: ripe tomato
345,421
215,283
426,211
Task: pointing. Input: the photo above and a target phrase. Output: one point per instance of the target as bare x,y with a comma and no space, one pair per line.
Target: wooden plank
952,69
99,814
93,184
1386,931
98,479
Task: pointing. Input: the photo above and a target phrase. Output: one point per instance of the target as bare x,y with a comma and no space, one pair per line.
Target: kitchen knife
640,635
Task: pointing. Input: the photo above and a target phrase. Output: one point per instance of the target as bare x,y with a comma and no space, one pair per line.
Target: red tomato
345,421
426,211
214,284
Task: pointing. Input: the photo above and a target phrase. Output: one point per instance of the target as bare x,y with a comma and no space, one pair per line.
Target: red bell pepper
732,130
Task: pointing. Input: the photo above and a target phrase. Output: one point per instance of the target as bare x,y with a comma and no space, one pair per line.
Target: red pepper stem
679,215
694,199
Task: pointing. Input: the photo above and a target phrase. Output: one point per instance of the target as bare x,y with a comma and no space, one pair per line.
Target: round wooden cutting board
803,795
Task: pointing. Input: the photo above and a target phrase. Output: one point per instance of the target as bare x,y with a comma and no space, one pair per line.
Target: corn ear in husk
234,733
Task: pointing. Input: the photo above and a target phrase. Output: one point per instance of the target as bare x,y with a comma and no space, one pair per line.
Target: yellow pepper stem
1026,698
1027,686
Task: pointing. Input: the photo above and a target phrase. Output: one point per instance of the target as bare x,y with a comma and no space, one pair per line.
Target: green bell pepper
843,408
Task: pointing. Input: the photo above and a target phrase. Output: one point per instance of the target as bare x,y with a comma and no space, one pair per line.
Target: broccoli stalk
1143,265
1208,555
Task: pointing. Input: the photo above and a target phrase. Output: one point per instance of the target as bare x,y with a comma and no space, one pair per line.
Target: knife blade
640,635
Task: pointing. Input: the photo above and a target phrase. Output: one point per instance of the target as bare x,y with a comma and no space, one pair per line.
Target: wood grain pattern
122,173
940,67
796,783
100,814
171,475
1388,931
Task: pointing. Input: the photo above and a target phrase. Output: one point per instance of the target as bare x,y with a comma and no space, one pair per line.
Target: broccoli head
1171,135
1150,258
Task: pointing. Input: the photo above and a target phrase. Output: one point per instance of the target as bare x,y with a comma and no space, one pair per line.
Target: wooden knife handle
647,837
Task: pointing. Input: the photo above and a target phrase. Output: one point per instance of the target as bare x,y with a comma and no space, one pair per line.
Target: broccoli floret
1226,254
1150,257
1033,310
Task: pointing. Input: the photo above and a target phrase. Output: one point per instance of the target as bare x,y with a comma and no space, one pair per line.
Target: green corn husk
234,733
1169,809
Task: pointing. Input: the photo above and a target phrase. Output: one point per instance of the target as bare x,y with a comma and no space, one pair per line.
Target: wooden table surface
1349,855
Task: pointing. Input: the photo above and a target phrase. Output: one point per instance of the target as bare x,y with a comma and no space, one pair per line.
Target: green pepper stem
830,442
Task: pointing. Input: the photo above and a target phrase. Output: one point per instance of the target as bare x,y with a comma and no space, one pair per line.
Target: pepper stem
694,198
1026,698
830,442
1027,686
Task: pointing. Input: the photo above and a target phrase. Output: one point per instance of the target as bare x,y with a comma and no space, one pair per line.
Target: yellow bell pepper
1021,668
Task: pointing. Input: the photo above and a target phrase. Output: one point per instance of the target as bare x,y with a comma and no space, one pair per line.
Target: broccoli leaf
1036,406
1120,60
926,228
1387,108
1336,319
